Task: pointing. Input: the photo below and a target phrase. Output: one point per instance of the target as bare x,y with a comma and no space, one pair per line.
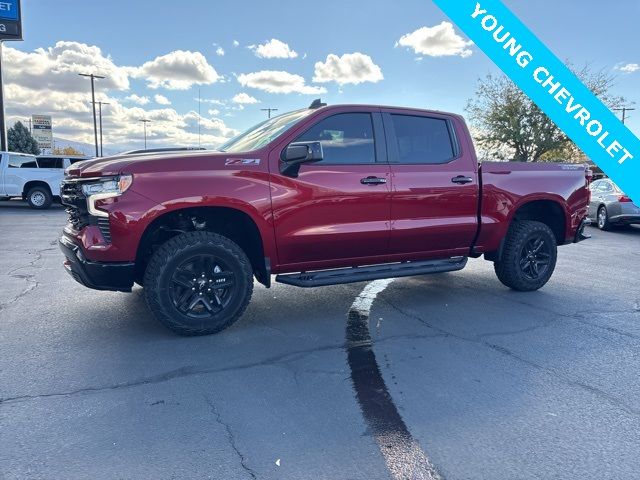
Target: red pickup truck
319,196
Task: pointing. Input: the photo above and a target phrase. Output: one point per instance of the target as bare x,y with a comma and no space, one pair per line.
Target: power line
269,110
624,111
93,102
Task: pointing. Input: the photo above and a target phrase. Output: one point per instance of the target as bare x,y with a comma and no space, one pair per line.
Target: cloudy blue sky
244,56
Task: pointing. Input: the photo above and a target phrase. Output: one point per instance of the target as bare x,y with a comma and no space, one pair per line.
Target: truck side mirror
297,153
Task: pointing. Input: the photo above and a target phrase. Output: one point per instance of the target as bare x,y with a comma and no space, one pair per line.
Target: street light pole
144,122
4,146
93,102
100,113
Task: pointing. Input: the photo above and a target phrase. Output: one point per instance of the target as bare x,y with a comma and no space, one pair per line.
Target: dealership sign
41,130
10,20
552,86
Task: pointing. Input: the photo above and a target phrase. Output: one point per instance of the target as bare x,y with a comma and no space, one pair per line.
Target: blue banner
552,86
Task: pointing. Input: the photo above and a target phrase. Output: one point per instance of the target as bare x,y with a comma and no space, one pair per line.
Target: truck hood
115,165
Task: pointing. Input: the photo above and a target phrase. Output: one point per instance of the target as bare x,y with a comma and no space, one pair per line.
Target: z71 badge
242,161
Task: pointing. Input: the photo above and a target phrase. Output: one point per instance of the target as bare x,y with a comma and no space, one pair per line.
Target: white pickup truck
34,179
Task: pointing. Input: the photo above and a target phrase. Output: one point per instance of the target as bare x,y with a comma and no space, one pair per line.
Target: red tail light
623,198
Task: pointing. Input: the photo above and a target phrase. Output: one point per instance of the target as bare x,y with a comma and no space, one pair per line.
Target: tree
69,151
508,125
20,140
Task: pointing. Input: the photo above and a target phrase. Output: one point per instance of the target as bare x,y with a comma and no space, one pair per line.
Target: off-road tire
39,198
508,268
164,262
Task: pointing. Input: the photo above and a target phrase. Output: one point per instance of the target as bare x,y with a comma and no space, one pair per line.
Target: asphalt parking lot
476,381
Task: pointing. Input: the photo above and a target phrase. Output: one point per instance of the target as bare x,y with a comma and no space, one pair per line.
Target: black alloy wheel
535,257
202,286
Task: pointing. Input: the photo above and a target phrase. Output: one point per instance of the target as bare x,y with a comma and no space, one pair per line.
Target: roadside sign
10,20
42,133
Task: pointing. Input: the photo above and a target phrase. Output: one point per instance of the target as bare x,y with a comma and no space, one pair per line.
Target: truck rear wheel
39,198
529,256
198,283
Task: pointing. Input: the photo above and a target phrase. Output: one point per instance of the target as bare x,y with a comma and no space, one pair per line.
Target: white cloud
244,98
214,112
236,43
162,100
46,81
629,67
220,51
349,68
178,70
213,101
274,48
137,99
274,81
437,41
57,68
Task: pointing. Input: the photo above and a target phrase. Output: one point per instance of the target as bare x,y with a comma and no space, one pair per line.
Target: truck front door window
346,139
18,161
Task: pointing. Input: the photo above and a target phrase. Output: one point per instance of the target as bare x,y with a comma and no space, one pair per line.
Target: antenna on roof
317,103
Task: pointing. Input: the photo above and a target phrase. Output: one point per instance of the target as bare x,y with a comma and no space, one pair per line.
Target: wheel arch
35,183
550,211
233,223
547,211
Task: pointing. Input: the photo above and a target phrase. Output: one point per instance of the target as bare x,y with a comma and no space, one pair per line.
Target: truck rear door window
49,162
346,138
422,139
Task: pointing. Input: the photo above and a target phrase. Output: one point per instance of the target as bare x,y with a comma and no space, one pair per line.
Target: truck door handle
461,179
372,180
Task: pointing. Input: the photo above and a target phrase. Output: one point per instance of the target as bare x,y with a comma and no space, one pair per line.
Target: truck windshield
262,133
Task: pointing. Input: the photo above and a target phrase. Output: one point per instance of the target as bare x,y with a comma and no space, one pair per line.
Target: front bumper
116,276
580,235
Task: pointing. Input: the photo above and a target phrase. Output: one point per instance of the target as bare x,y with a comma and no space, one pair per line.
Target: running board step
373,272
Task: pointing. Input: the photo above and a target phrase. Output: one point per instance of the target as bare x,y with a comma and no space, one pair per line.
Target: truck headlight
107,188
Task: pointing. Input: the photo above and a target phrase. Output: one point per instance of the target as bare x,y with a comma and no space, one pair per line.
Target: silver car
610,206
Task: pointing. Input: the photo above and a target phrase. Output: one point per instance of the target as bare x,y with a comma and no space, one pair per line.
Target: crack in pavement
28,277
577,317
505,351
281,360
230,437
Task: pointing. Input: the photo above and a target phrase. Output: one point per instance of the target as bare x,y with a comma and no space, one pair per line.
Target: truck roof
390,107
18,153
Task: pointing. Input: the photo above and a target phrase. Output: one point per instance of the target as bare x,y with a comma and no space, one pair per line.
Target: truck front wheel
198,283
529,256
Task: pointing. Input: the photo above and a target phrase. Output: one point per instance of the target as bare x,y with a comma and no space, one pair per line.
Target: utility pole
144,122
100,117
93,102
624,111
198,118
269,110
4,146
